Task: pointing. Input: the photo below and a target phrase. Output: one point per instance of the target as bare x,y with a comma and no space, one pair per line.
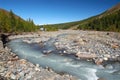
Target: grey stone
109,66
2,69
22,73
28,76
37,69
37,65
13,76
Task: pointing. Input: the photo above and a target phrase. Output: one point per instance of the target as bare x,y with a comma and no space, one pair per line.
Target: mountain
106,21
114,8
11,23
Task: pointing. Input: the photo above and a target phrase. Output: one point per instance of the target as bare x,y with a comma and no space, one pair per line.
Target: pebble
37,69
2,69
105,58
13,76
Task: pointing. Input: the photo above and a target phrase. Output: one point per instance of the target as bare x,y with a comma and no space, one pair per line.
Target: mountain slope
107,21
9,22
114,8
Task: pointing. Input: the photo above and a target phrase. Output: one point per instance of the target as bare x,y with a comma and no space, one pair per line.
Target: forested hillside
107,21
10,23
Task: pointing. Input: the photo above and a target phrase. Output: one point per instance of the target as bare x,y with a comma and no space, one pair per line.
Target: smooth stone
37,65
14,71
105,58
118,58
37,69
99,61
64,52
13,76
23,61
8,74
101,79
19,70
22,73
21,78
28,76
109,66
2,69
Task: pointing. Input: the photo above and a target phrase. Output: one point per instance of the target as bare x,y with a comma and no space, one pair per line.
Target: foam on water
91,74
72,65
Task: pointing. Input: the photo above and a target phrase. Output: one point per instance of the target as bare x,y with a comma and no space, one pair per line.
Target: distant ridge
114,8
106,21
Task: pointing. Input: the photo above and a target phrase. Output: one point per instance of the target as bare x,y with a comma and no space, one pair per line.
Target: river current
84,70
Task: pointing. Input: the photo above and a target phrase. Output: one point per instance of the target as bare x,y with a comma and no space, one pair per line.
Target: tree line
10,23
109,22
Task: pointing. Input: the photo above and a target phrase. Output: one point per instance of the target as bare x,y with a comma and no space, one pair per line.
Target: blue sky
57,11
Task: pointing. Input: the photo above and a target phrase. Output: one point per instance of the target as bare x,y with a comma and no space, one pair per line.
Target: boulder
99,61
115,45
85,55
109,66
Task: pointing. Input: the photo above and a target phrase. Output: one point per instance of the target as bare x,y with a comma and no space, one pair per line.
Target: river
85,70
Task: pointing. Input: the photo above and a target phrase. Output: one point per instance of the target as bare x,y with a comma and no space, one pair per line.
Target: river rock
28,76
37,65
37,69
109,66
8,74
22,61
118,58
115,45
2,69
1,45
13,76
105,58
101,79
22,73
85,55
2,78
99,61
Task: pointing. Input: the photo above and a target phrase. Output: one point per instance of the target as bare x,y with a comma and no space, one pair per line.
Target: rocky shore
13,68
95,46
90,45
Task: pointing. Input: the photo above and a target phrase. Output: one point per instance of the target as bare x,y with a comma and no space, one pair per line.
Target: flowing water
62,64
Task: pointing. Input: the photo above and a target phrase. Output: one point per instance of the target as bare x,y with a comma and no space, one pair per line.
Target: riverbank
12,67
90,45
99,47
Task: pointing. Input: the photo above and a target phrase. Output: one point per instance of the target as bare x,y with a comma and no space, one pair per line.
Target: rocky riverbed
97,46
11,67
